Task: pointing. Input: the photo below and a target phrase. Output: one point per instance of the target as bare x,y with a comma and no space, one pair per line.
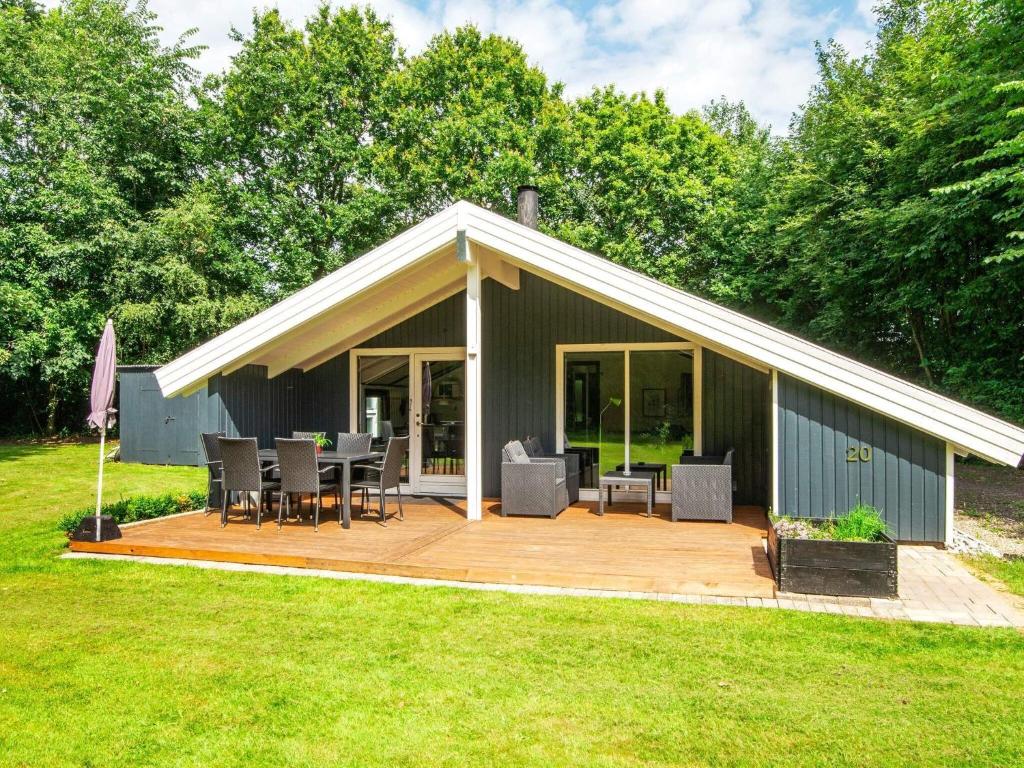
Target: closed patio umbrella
428,390
101,402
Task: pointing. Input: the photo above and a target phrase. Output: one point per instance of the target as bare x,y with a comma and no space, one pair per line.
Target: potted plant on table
321,441
851,555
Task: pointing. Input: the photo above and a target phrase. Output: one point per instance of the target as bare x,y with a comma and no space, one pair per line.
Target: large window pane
383,386
595,411
661,406
444,417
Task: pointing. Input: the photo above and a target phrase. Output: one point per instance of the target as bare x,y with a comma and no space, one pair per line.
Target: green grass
127,664
613,450
1010,572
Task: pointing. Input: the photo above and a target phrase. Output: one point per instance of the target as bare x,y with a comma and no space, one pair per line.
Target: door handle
168,419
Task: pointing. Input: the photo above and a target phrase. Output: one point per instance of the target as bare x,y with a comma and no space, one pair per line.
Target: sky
759,51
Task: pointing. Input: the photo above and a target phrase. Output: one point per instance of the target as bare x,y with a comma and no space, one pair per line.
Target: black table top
641,464
329,457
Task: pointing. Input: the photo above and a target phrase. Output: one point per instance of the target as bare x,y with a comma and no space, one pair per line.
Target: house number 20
863,453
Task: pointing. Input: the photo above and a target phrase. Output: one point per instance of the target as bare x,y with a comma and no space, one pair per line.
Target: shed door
172,436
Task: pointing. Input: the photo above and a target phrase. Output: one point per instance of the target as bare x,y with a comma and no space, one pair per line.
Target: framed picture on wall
654,402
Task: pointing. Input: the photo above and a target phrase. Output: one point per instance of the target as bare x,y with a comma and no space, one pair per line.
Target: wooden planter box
821,567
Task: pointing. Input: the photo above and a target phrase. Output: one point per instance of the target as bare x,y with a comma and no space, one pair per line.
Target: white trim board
706,323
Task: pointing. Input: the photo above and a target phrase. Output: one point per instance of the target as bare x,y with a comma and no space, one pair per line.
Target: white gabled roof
279,327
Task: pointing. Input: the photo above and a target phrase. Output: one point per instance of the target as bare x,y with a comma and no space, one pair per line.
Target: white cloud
760,51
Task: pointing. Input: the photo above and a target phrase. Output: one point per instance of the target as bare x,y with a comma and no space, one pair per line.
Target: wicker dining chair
383,477
301,475
243,473
354,442
211,457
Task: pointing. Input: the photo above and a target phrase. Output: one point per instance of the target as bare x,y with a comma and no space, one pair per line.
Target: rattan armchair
535,449
531,485
702,488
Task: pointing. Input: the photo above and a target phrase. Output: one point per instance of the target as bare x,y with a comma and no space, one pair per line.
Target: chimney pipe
527,205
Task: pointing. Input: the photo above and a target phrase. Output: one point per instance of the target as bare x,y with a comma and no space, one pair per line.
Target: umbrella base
86,530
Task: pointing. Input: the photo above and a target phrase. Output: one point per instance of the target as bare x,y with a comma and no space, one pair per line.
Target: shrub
136,508
862,523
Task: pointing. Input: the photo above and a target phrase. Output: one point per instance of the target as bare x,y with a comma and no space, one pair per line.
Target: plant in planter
321,441
849,555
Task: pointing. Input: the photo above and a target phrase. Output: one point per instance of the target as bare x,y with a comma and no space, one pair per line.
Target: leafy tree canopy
888,223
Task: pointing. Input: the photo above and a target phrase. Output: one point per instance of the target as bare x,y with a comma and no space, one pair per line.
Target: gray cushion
516,452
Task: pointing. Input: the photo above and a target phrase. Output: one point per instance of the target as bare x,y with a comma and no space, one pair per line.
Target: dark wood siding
255,406
736,414
520,331
905,478
442,325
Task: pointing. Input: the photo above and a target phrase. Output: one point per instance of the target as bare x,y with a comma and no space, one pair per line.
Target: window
629,402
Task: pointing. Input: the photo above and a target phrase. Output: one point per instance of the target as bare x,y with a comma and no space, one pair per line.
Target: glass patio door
628,406
438,446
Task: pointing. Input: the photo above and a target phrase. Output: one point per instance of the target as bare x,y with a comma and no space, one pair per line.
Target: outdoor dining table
342,459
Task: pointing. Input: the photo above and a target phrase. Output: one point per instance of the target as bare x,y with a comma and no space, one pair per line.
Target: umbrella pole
99,484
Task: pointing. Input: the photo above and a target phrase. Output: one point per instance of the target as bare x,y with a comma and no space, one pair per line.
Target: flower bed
851,555
135,508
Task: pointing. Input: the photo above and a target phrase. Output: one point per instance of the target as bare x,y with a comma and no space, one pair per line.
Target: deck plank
624,550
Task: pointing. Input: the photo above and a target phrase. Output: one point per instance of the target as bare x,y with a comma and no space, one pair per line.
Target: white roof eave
603,280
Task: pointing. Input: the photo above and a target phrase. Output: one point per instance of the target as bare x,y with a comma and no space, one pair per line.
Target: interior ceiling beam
499,270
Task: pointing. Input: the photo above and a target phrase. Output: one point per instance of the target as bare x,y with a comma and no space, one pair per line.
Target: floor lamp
616,401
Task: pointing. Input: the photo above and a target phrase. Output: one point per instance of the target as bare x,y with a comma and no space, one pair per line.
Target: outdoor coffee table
618,477
660,471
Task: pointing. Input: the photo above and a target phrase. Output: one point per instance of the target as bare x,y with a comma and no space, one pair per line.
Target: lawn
612,449
126,664
1010,572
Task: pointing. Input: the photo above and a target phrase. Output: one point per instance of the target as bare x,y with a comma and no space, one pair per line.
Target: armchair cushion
515,452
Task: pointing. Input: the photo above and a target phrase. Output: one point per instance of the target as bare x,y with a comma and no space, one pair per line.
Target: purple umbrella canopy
101,413
101,399
428,390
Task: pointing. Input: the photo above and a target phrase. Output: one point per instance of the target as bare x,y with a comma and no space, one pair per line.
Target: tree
288,143
94,134
643,186
468,118
877,261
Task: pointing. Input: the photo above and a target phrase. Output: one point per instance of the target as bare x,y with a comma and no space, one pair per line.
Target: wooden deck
624,550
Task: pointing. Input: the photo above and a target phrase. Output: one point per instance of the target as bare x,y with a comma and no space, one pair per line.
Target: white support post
626,397
950,489
698,401
474,393
775,442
